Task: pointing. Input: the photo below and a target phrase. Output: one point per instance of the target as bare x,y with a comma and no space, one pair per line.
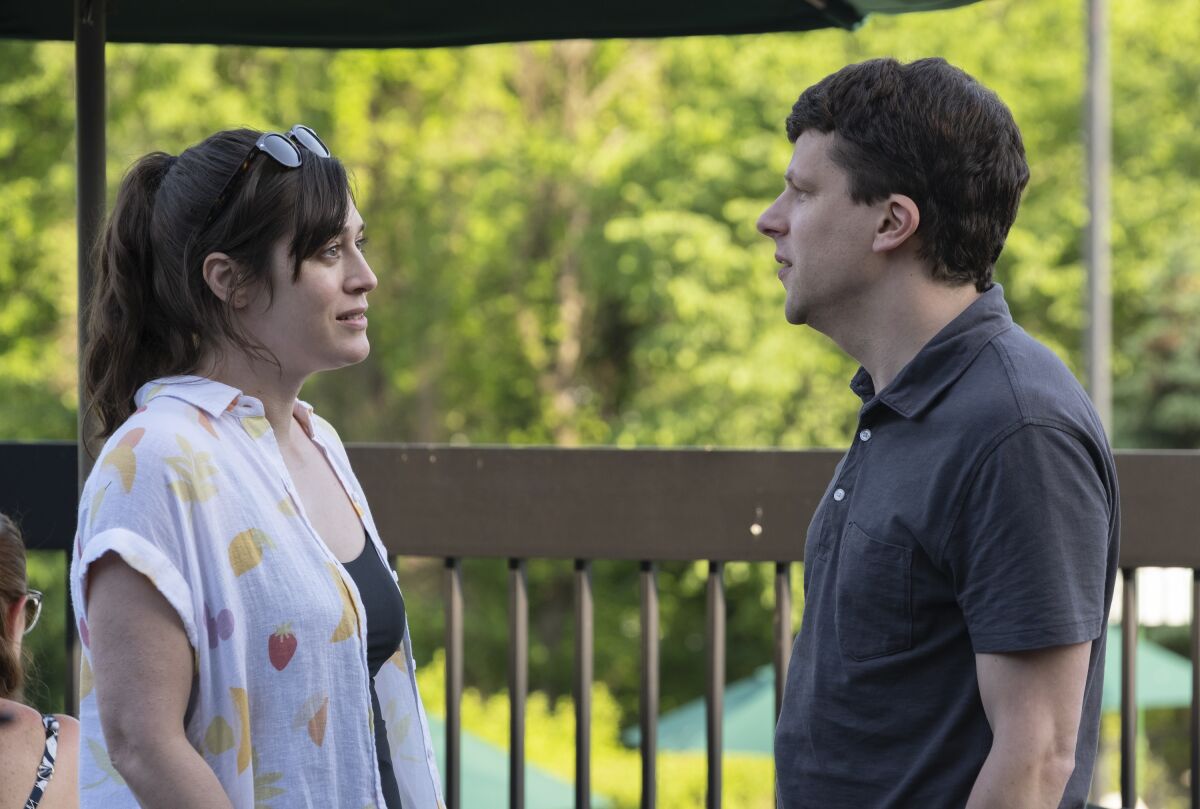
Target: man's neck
891,325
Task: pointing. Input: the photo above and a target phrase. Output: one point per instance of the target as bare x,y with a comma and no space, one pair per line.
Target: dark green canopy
405,23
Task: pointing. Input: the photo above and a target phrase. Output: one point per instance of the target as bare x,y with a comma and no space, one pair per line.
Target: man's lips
785,265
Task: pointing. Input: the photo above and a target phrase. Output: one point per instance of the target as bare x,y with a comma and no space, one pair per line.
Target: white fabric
192,492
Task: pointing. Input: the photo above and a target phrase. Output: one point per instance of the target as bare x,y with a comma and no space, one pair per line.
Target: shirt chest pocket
874,596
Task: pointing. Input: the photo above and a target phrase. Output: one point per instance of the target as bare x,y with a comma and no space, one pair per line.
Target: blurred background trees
564,235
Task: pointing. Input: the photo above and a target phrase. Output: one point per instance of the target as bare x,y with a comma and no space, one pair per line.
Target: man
959,569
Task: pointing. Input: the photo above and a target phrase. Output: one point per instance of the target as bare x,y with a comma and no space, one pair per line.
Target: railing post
1194,711
715,695
1129,628
90,122
648,705
454,682
518,680
783,630
583,683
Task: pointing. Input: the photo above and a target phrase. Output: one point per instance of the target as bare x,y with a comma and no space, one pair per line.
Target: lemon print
246,550
256,426
122,459
349,622
86,679
219,737
242,704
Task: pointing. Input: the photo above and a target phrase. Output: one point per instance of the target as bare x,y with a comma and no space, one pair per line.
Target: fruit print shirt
193,493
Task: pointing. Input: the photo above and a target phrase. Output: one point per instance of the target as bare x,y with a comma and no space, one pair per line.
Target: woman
39,753
238,610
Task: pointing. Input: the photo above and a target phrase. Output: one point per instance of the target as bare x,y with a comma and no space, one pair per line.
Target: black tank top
385,631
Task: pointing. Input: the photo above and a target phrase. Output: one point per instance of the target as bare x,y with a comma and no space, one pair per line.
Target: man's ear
899,222
221,275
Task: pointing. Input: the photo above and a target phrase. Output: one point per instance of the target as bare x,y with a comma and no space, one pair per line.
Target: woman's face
317,322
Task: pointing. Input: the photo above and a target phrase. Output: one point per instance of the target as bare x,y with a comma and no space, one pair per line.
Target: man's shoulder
1044,389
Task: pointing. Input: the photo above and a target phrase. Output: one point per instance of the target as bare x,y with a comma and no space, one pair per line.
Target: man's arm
1033,701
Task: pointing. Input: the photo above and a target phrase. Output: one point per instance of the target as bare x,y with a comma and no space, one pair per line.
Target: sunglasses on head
33,609
284,149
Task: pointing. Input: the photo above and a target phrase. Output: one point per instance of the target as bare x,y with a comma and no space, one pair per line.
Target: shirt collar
213,397
943,359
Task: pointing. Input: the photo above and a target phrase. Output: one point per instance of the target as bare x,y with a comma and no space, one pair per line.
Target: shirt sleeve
1030,549
136,504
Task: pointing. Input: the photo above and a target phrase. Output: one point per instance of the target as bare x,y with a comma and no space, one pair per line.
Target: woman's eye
333,250
361,244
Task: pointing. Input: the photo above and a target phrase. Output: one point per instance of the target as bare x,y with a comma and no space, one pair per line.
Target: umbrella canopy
1163,680
391,24
485,775
748,719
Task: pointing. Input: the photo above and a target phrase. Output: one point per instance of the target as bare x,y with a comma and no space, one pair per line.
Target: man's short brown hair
931,132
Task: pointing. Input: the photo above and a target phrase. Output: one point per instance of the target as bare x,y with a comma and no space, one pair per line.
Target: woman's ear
221,275
899,222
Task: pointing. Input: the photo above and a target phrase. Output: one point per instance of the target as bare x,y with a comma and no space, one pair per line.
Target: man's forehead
811,156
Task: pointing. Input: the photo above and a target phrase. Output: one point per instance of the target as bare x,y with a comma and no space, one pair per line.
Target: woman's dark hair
931,132
12,587
151,313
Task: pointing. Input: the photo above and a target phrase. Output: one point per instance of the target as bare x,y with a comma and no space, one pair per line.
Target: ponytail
127,342
12,587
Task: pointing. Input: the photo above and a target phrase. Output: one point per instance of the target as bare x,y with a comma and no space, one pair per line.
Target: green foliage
747,781
46,644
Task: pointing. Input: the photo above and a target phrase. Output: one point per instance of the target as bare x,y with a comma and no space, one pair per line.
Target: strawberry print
281,646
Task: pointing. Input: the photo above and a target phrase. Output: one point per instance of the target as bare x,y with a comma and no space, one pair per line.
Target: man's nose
769,223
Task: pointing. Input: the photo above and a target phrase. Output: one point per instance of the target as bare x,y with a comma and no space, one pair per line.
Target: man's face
823,239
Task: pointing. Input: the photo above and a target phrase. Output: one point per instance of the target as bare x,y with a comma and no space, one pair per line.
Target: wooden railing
647,506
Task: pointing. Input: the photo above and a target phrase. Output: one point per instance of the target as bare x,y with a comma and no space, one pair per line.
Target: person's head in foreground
19,609
38,753
903,178
241,257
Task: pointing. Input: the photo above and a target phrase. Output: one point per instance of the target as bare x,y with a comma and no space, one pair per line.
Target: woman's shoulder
22,719
22,739
68,728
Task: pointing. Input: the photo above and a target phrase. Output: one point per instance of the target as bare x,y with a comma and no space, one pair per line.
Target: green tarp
485,776
1163,680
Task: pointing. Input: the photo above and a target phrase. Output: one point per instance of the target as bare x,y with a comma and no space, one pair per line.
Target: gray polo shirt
975,512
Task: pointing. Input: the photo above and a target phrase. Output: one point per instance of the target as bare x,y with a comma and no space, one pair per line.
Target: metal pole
1097,248
90,178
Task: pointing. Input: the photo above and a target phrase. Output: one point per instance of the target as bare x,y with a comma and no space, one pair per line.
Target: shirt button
865,435
839,495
